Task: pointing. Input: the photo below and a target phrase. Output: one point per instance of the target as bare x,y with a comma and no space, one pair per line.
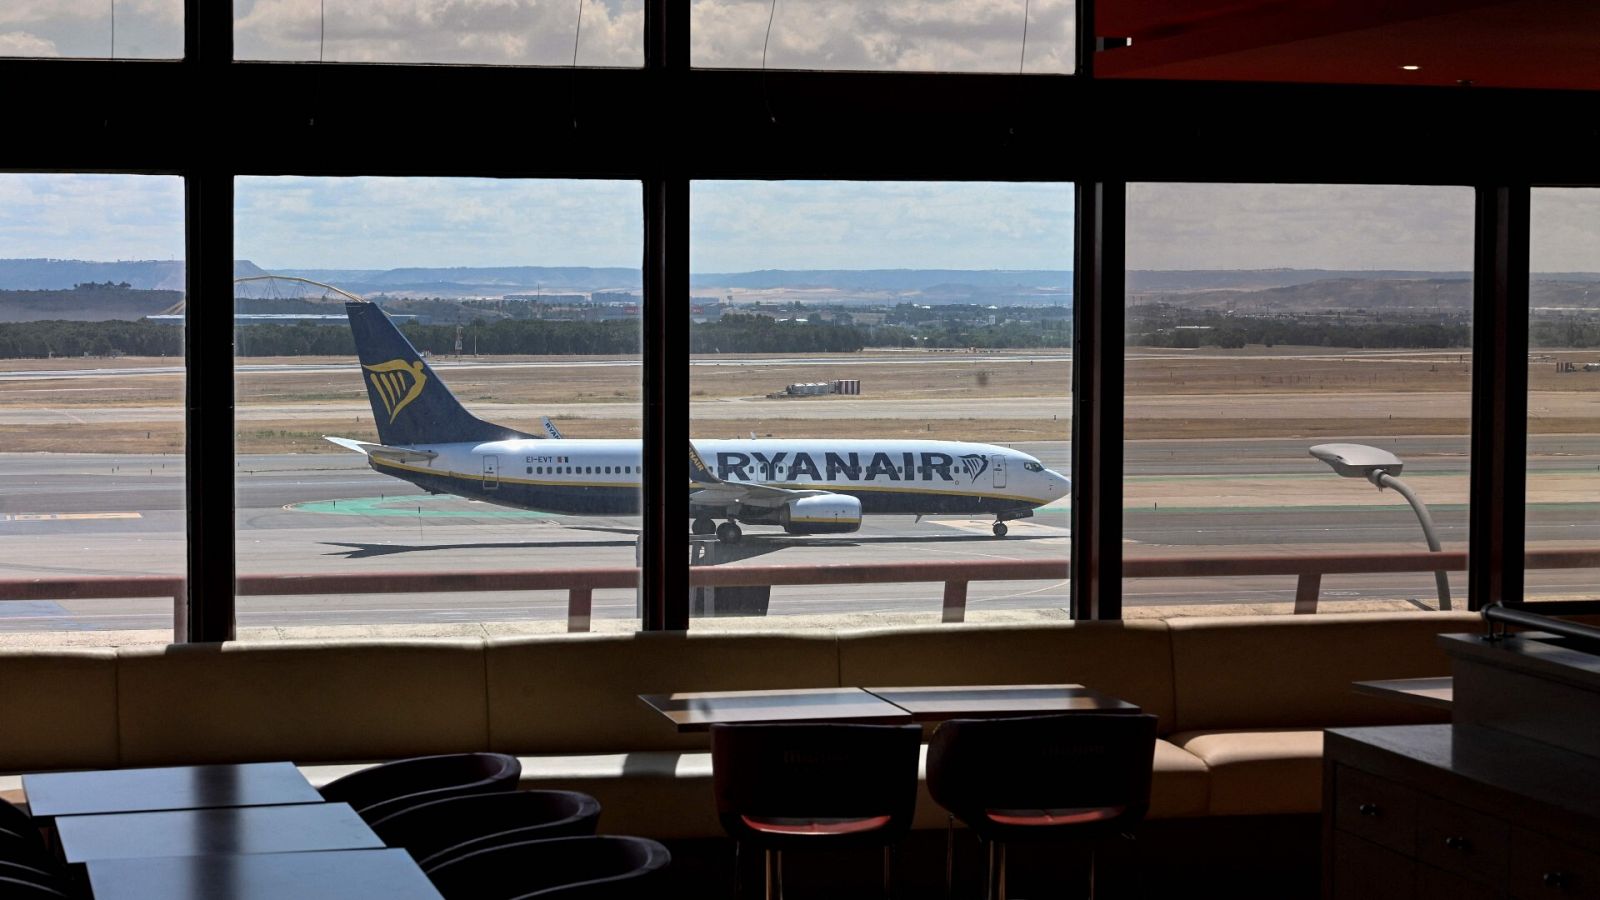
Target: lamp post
1380,467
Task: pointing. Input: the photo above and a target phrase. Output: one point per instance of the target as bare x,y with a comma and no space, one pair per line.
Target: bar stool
815,787
1079,777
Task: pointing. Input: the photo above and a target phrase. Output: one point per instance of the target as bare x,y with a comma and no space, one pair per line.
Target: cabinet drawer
1365,871
1375,808
1462,840
1543,867
1436,884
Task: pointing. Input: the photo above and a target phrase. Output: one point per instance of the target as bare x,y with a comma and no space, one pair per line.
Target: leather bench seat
1258,771
1240,701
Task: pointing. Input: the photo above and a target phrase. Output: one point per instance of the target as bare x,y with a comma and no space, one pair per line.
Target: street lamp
1380,467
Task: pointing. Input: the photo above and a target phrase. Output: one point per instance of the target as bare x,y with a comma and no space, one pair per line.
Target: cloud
496,32
903,35
102,217
389,222
1566,230
1260,226
21,43
743,225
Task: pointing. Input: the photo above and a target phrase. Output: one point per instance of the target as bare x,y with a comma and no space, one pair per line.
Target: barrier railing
581,583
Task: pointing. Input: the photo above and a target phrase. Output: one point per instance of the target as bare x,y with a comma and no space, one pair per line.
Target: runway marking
67,517
409,506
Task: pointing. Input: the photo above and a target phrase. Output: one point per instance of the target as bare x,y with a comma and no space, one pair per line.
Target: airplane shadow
370,551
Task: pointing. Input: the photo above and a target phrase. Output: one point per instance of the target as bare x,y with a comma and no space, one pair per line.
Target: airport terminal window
497,327
91,398
873,368
1564,361
121,29
510,33
1277,334
1036,36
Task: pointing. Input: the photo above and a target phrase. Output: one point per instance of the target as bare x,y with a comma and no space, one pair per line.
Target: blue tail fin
409,402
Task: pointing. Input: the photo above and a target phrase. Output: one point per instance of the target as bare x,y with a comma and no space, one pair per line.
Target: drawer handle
1556,880
1369,810
1458,843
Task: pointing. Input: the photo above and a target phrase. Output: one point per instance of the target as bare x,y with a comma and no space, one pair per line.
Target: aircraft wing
382,451
709,490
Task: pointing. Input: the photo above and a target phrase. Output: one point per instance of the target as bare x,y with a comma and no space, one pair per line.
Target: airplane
426,437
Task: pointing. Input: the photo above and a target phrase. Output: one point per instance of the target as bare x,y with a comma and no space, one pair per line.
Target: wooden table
1438,693
935,704
199,832
889,705
176,787
698,711
327,875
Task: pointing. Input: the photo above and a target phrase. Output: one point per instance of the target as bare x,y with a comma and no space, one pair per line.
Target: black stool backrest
1075,760
457,825
569,868
822,771
381,791
26,890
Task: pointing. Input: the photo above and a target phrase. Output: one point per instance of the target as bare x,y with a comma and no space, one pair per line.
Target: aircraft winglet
550,427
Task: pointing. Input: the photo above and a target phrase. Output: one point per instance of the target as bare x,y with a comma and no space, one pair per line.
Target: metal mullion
664,579
208,406
1497,512
1097,368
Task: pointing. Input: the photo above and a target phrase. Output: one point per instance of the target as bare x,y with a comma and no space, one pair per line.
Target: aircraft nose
1060,485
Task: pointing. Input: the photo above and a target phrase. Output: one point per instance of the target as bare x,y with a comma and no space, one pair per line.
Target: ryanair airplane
803,486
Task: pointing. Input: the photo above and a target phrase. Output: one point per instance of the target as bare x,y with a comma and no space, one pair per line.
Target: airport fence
581,583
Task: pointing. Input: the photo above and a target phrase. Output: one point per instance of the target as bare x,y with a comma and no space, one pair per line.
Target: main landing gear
728,532
1000,529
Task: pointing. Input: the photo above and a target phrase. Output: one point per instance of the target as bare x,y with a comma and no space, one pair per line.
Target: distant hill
88,303
62,274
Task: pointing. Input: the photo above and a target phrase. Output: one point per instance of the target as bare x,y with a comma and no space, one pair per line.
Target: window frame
96,116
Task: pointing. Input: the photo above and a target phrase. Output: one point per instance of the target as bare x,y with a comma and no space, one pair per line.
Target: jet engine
825,514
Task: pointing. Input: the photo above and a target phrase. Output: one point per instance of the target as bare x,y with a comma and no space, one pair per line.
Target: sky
747,225
944,35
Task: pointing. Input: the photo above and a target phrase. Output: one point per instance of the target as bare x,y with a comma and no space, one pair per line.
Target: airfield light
1411,68
1380,467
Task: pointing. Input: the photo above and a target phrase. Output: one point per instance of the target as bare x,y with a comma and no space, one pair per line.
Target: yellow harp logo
398,383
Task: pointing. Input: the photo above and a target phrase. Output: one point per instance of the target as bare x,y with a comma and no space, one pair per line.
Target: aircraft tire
729,533
1000,529
703,526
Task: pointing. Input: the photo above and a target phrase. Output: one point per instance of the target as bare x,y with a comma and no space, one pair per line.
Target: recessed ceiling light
1411,68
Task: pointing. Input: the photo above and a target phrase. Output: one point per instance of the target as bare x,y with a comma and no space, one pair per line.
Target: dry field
1283,392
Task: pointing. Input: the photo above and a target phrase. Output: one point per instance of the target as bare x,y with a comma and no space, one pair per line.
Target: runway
63,515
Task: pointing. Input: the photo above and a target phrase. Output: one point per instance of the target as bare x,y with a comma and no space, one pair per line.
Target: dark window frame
314,119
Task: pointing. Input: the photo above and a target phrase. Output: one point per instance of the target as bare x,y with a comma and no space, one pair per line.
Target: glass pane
508,33
1563,417
91,406
396,402
881,374
95,29
1033,36
1278,337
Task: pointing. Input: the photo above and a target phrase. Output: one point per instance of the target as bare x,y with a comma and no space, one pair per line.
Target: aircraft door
998,464
491,472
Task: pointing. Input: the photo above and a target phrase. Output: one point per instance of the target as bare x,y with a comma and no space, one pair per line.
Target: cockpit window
1033,467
